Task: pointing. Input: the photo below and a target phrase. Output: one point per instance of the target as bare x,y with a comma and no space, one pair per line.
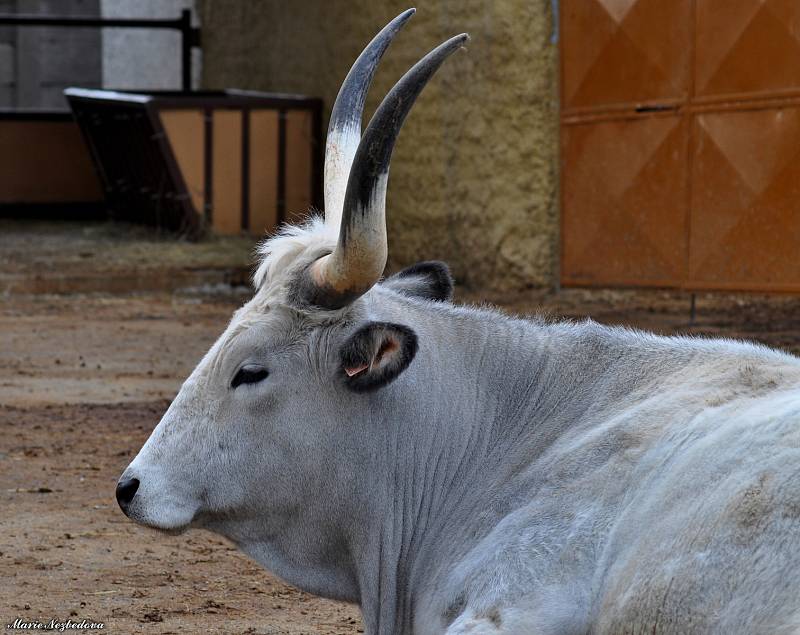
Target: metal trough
229,161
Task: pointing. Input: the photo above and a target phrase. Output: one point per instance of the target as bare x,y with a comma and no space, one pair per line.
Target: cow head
267,441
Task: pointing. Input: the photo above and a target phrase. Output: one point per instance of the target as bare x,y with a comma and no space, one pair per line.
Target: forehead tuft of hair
290,246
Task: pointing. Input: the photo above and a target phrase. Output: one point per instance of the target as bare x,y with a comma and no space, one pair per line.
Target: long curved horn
344,129
359,258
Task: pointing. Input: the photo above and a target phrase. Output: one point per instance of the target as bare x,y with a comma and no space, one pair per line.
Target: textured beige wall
474,174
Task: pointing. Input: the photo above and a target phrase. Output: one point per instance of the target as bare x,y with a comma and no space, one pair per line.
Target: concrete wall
8,54
138,58
38,63
474,176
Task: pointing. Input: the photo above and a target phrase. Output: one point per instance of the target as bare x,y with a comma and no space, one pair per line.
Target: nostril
126,490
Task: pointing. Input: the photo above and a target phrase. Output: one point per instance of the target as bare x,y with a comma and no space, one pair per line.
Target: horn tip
405,15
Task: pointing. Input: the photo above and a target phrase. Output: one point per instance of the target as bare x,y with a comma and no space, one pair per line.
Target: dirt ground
84,377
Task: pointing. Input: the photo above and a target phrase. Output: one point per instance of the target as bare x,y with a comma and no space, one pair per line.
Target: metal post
208,167
245,169
186,50
281,203
318,154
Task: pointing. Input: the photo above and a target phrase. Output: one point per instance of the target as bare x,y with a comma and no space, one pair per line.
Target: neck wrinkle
434,461
384,591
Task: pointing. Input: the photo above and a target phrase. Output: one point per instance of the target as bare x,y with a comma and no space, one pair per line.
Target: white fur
280,254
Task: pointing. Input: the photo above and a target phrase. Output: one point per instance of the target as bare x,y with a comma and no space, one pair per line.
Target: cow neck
434,450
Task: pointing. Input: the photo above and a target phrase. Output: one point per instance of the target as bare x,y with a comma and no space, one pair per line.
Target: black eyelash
249,375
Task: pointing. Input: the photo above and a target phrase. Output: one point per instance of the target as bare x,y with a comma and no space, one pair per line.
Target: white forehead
279,258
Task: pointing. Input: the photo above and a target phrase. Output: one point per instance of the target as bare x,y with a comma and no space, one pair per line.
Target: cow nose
126,490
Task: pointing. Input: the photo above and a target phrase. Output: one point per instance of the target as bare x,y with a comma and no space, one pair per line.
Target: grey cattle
456,470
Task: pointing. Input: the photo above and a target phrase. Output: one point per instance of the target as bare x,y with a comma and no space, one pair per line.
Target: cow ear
375,354
430,280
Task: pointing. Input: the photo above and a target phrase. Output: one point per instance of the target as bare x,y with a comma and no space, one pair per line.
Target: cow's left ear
375,354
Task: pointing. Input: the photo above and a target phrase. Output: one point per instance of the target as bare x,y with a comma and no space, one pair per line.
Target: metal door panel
624,51
746,200
625,220
746,47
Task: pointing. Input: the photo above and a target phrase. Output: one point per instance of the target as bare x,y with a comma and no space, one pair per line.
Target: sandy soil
83,380
52,257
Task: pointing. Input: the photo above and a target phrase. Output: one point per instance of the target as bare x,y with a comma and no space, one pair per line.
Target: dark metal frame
148,105
190,36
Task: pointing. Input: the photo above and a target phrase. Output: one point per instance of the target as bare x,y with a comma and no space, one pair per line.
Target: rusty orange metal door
680,130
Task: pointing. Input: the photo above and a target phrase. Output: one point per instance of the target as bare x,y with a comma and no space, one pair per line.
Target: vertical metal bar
281,203
317,159
208,167
245,169
688,120
186,50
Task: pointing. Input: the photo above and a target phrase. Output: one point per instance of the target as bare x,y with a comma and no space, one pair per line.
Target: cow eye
249,374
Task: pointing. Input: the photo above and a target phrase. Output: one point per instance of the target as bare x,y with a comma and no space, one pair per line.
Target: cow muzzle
126,490
148,498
